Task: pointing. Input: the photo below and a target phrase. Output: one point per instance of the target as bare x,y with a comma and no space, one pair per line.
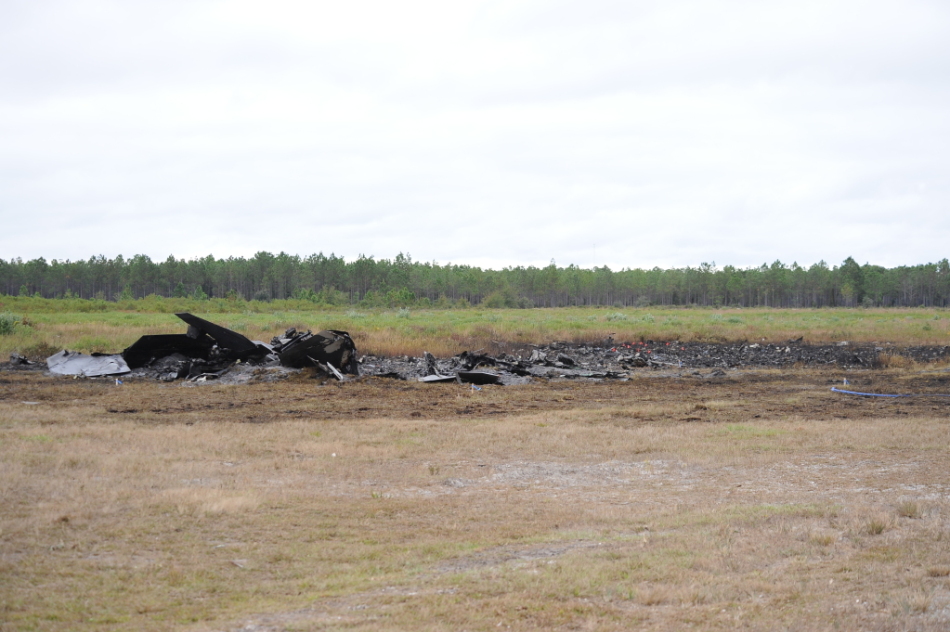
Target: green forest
402,282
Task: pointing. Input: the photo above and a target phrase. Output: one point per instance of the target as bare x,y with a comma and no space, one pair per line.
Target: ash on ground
612,360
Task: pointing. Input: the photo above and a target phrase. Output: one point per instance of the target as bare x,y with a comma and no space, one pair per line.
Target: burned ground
620,360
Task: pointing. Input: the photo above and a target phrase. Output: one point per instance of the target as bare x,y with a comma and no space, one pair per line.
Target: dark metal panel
238,346
478,377
149,348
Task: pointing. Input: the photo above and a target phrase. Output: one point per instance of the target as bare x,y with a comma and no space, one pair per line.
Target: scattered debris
210,352
17,360
618,361
431,364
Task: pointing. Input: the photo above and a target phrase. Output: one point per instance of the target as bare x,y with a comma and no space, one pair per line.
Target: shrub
124,295
909,509
8,323
305,294
500,299
373,299
877,525
400,298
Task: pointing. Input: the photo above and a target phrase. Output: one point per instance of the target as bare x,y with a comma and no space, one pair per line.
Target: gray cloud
631,134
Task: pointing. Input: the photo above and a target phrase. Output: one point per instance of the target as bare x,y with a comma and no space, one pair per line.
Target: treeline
402,282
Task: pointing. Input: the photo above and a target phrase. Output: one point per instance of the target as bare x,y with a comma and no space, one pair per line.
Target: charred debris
207,351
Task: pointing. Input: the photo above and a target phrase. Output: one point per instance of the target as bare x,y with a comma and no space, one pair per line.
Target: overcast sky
627,133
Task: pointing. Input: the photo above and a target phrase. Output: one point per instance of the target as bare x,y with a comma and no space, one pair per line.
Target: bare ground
758,500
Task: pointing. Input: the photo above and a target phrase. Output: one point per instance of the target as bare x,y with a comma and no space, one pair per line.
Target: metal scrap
435,378
329,347
95,365
17,360
478,377
148,349
230,343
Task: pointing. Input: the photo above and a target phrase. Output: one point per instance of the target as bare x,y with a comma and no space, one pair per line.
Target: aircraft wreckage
209,350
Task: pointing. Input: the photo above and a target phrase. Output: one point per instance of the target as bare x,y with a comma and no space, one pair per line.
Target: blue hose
838,390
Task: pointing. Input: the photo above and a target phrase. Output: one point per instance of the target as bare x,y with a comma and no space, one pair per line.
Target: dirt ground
752,394
758,499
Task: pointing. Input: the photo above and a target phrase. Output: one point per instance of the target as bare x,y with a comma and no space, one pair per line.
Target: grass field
756,501
448,332
759,502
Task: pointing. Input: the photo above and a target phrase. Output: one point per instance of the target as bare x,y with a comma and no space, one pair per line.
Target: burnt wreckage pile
208,350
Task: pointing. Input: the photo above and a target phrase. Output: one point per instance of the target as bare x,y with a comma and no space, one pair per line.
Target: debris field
612,360
210,352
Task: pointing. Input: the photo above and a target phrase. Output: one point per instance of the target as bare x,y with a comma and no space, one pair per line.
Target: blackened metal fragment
232,344
152,347
328,346
478,377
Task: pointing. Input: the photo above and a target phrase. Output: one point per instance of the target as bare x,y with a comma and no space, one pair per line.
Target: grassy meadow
44,329
755,501
156,507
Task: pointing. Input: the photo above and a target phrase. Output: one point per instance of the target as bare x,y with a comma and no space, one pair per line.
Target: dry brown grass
448,332
894,361
657,504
